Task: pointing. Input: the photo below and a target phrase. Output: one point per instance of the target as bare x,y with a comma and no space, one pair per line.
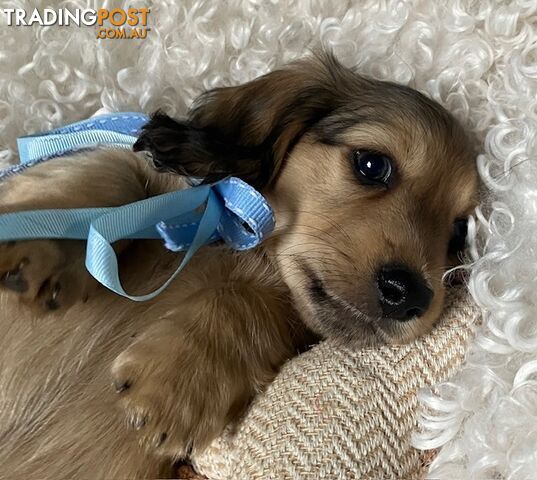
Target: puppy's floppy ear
246,131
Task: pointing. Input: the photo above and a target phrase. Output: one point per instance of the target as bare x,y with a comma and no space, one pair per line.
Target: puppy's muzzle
403,293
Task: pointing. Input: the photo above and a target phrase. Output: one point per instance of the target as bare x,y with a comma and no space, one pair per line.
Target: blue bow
175,217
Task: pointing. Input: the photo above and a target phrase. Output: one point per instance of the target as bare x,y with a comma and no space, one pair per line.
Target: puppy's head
371,183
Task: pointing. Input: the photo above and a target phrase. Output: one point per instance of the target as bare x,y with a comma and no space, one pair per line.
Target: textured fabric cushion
338,414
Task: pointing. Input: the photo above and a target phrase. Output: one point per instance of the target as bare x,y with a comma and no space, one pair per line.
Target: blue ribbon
228,206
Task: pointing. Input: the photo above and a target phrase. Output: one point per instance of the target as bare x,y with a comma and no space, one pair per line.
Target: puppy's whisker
331,222
335,248
509,170
320,264
297,230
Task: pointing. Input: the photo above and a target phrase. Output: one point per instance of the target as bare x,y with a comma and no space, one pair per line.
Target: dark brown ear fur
187,150
246,131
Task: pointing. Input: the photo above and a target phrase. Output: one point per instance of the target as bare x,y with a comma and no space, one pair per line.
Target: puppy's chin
332,316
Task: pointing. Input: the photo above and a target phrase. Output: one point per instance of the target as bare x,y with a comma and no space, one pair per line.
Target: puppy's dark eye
457,242
372,168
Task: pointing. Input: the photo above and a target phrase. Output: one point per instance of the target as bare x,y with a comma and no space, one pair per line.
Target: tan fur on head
94,386
342,232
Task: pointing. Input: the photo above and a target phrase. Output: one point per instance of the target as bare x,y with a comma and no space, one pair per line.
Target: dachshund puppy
370,182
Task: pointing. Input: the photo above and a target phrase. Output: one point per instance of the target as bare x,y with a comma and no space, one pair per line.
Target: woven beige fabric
337,414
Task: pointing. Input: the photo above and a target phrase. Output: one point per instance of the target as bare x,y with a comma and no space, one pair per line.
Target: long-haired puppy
370,182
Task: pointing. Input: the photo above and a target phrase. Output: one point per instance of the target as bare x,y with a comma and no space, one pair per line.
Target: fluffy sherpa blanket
478,58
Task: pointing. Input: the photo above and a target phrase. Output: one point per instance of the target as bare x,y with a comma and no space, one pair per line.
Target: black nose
403,294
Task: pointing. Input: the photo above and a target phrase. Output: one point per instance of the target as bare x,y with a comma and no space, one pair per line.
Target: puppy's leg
51,274
196,369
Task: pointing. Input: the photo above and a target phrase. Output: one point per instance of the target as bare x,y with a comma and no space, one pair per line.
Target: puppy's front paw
171,400
45,274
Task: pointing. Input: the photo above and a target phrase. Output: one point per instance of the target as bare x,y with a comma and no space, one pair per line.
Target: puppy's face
367,213
370,182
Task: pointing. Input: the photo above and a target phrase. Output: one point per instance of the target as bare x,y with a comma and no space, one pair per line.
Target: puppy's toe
126,370
14,279
126,375
146,414
139,412
49,294
63,288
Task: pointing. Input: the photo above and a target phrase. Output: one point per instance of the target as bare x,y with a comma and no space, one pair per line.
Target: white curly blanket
478,58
